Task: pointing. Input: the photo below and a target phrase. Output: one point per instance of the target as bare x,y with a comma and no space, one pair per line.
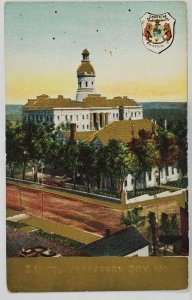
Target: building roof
92,100
121,130
79,135
85,68
121,243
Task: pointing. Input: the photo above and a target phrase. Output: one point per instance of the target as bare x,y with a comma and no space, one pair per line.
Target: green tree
119,162
168,150
12,140
180,131
87,164
168,228
70,160
152,229
133,218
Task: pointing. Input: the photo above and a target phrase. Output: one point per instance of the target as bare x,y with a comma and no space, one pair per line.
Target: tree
87,164
152,228
40,145
119,162
133,218
180,131
168,150
70,160
12,141
145,150
168,228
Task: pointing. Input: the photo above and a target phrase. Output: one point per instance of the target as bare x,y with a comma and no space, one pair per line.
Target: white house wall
172,174
141,252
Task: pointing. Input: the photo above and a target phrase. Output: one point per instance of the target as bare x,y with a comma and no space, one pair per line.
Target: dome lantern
85,54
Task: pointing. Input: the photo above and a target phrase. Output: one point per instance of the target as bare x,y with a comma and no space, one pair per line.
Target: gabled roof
121,130
79,135
121,243
92,100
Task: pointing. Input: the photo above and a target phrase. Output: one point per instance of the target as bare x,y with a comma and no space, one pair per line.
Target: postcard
96,146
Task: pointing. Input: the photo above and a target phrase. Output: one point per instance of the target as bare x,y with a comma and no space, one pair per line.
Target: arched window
86,83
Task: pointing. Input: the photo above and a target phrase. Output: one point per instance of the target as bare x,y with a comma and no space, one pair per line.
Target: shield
157,31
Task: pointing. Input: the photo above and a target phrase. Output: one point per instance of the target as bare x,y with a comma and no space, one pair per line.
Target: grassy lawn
15,224
181,183
59,239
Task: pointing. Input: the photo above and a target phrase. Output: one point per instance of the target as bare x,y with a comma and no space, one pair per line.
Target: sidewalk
57,228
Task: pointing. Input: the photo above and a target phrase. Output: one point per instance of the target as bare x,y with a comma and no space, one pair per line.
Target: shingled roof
121,130
121,243
92,100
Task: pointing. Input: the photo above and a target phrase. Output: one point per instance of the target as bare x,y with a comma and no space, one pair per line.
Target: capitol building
89,111
96,119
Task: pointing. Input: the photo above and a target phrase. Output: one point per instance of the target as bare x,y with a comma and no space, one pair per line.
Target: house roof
79,135
121,130
121,243
91,101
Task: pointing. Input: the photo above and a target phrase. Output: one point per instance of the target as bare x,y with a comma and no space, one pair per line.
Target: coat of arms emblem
157,31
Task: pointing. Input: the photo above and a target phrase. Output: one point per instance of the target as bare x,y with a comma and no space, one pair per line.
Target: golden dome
85,67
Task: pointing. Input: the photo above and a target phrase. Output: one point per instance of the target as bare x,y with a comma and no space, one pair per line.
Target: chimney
72,132
107,232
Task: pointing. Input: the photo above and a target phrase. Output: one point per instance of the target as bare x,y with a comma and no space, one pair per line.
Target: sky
44,41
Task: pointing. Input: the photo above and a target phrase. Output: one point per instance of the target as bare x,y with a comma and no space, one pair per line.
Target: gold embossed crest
157,31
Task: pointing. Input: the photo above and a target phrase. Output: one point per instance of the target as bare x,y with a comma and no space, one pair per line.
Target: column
91,121
103,120
106,118
97,121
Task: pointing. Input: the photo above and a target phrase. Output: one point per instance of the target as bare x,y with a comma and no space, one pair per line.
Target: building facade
90,111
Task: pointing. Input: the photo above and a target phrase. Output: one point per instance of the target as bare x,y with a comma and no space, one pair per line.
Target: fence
65,190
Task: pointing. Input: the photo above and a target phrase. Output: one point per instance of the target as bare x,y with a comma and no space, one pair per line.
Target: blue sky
43,44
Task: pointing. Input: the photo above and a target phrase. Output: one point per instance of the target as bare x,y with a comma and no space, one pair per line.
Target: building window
150,176
65,118
58,117
125,182
87,116
86,83
172,169
113,115
77,117
83,126
71,117
83,117
77,126
132,181
51,118
79,84
131,114
117,115
92,82
87,126
167,171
